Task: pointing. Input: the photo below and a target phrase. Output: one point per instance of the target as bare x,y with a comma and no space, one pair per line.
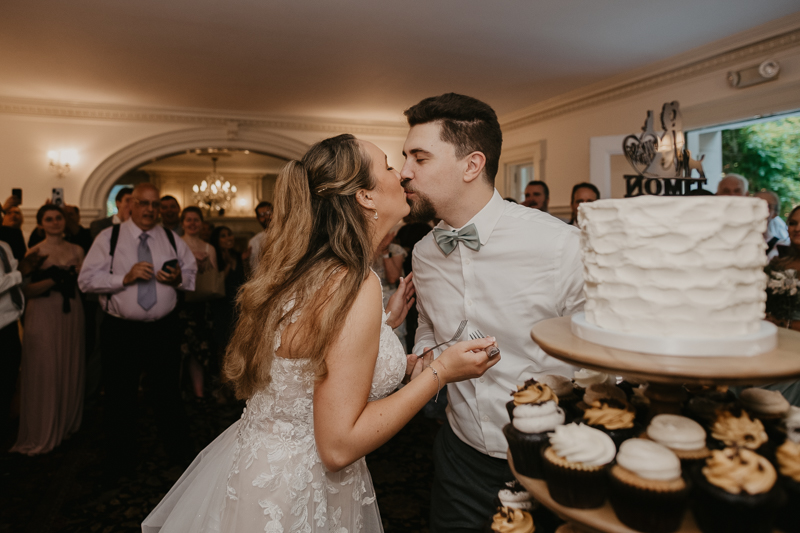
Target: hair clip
321,190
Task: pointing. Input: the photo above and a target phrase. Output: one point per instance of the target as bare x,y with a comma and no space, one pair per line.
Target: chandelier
214,194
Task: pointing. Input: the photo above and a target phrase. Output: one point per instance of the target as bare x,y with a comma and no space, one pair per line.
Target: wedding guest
51,384
13,237
205,231
732,185
264,217
73,231
582,192
223,310
12,304
13,217
777,231
790,260
171,214
123,203
195,316
537,196
503,267
140,330
388,265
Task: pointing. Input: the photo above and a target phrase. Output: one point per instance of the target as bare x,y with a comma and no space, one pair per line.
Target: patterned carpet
65,490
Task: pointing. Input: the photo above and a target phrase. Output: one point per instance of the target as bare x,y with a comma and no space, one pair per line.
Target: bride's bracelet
438,383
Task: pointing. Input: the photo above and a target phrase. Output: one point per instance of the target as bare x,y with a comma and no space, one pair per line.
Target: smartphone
17,193
58,196
172,263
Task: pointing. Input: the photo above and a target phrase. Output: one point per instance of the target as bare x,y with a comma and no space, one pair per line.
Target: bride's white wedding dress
264,473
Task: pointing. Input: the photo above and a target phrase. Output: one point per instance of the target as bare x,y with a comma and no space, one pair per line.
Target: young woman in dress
314,355
196,316
52,376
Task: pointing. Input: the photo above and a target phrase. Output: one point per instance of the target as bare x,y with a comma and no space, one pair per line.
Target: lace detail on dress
277,482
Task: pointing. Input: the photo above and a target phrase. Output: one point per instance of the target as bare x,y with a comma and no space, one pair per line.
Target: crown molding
78,110
769,38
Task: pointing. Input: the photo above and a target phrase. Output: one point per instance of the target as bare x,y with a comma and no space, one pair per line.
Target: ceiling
239,161
345,59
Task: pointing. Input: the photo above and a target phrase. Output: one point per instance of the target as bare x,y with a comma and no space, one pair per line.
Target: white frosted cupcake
575,465
685,437
515,496
527,434
647,490
764,404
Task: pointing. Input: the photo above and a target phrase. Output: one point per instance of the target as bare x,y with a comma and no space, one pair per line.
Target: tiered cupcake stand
665,376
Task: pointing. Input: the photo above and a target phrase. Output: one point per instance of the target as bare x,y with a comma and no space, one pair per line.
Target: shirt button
467,261
469,302
485,418
481,380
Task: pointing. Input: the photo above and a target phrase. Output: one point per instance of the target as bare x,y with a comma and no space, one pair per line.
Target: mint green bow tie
448,239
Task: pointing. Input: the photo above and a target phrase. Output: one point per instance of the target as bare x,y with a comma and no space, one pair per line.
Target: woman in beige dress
52,375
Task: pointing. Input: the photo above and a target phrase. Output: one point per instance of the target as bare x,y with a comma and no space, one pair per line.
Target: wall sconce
766,71
61,161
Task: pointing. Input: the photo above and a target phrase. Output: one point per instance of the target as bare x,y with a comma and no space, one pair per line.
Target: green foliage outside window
768,155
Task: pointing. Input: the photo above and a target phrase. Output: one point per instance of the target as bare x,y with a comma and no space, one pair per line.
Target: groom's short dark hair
467,123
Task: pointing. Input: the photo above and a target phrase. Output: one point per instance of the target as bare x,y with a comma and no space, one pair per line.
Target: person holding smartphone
138,291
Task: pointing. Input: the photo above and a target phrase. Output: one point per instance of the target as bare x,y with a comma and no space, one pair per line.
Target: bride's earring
376,215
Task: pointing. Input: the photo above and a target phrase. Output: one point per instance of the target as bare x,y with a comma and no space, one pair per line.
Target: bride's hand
466,360
401,301
415,365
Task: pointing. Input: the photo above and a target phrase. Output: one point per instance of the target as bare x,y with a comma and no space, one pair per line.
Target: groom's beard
422,209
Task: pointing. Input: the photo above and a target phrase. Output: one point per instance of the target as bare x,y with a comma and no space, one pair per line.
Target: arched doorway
102,179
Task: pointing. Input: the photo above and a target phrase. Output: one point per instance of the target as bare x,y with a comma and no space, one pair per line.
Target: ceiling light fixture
214,194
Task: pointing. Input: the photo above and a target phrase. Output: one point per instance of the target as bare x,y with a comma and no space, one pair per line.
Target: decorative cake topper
665,156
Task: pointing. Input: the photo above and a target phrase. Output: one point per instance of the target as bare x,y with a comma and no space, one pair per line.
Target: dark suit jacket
13,237
99,225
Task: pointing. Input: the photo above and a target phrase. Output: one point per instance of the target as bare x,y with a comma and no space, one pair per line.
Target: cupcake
527,433
511,520
575,465
683,436
764,404
603,391
735,492
646,488
788,458
531,393
792,424
585,377
614,417
705,408
515,496
732,430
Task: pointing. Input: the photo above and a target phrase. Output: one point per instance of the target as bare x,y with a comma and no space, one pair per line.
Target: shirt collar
485,220
136,231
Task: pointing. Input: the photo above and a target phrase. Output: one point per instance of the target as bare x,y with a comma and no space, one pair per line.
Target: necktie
16,294
147,289
448,239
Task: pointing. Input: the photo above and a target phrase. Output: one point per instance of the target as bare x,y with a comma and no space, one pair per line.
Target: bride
315,356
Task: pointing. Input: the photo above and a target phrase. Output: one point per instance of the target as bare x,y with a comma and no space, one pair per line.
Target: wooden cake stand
665,376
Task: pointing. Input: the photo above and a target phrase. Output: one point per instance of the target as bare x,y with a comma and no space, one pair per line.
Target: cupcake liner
510,408
789,515
526,450
649,511
575,486
717,511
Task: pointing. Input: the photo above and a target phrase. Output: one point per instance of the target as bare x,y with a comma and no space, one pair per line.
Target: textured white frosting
531,418
516,500
649,460
585,377
792,422
677,432
578,443
681,267
763,401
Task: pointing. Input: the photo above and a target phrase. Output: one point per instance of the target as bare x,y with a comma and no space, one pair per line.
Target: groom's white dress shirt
528,269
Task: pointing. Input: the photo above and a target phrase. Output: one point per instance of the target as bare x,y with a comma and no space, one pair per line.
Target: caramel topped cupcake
736,492
533,392
610,414
738,470
788,456
510,520
740,430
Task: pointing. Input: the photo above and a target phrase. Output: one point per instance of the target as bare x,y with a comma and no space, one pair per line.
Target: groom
500,265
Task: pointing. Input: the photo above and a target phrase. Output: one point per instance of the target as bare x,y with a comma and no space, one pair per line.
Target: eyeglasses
145,203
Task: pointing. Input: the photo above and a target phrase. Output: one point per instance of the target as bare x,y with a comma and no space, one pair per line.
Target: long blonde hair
318,232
